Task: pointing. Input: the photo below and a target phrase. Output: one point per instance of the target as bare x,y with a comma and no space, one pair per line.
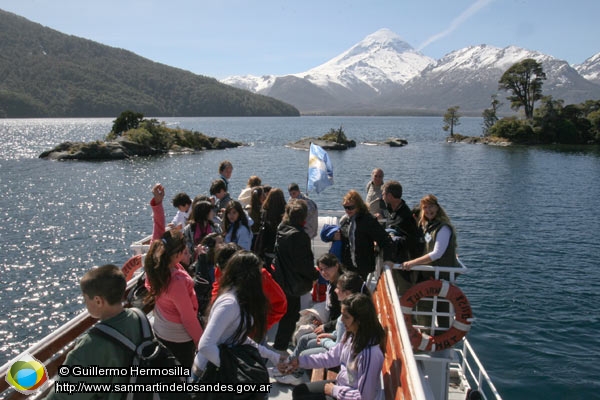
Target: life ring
460,324
131,265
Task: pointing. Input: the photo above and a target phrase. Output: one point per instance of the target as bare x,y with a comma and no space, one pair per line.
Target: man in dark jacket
294,267
405,233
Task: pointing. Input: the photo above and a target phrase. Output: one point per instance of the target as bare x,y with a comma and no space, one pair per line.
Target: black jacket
408,241
368,230
294,263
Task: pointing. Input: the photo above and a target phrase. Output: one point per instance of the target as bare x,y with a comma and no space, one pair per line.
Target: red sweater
273,292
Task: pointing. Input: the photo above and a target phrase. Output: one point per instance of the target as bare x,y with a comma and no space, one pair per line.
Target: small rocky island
134,136
489,140
335,139
392,142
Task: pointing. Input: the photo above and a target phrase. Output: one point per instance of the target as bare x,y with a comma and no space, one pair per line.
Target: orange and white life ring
460,324
131,265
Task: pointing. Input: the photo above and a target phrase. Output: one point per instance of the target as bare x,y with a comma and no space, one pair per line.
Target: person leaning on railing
440,247
440,238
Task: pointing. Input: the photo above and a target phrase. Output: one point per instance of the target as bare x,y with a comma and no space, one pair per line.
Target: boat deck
442,375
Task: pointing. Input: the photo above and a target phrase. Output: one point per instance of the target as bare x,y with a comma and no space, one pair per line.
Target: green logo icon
27,374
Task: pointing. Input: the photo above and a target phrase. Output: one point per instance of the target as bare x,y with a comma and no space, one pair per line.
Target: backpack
241,364
150,353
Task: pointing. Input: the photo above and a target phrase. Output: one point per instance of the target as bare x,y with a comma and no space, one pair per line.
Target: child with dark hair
200,224
271,289
225,171
103,289
205,262
347,284
183,204
238,315
236,225
218,189
360,356
271,216
294,266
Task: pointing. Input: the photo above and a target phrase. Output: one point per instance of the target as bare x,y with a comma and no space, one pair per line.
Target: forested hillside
45,73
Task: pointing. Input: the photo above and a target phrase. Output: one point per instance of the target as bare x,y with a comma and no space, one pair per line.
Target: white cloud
458,21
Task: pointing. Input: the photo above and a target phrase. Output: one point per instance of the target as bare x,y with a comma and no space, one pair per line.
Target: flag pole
308,165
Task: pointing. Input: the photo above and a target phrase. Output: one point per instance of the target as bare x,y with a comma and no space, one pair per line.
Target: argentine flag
320,170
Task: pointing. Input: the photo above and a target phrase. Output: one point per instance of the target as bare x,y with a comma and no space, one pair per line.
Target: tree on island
451,119
524,80
490,116
126,121
552,122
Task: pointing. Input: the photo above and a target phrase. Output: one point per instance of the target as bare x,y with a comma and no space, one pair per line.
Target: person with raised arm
171,288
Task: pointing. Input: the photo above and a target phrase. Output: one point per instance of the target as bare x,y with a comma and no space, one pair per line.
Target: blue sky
220,38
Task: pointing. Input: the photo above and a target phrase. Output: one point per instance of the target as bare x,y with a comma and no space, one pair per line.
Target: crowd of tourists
225,271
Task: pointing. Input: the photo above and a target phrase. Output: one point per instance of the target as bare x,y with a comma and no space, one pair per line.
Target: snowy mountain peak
382,71
483,57
590,68
385,37
380,58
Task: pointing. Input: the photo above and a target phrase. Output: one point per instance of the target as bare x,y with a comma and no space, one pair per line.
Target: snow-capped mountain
384,73
360,73
469,77
590,68
378,60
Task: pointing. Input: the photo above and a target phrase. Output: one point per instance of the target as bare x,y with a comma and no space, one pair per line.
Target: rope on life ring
459,326
131,265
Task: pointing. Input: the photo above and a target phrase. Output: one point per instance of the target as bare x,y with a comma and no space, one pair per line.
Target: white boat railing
141,246
475,373
465,362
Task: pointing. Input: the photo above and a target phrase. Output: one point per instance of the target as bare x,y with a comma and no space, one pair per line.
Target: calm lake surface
525,217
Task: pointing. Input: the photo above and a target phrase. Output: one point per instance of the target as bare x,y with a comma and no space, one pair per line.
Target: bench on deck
395,379
323,374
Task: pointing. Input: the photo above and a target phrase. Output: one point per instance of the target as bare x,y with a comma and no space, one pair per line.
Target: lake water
525,219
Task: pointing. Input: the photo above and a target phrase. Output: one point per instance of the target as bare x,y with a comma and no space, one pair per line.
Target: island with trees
552,122
134,136
335,139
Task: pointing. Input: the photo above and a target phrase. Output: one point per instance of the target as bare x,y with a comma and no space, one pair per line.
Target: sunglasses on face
349,207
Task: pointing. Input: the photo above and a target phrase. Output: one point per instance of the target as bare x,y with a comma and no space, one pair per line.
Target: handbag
240,364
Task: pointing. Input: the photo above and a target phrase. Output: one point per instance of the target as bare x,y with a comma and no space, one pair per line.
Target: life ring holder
131,265
461,322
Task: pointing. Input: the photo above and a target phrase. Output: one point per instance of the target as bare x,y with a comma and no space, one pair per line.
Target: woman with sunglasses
360,231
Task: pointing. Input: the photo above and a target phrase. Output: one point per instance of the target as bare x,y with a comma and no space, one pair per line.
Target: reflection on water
525,220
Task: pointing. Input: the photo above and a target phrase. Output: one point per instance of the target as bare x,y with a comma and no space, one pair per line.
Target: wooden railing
52,350
400,373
